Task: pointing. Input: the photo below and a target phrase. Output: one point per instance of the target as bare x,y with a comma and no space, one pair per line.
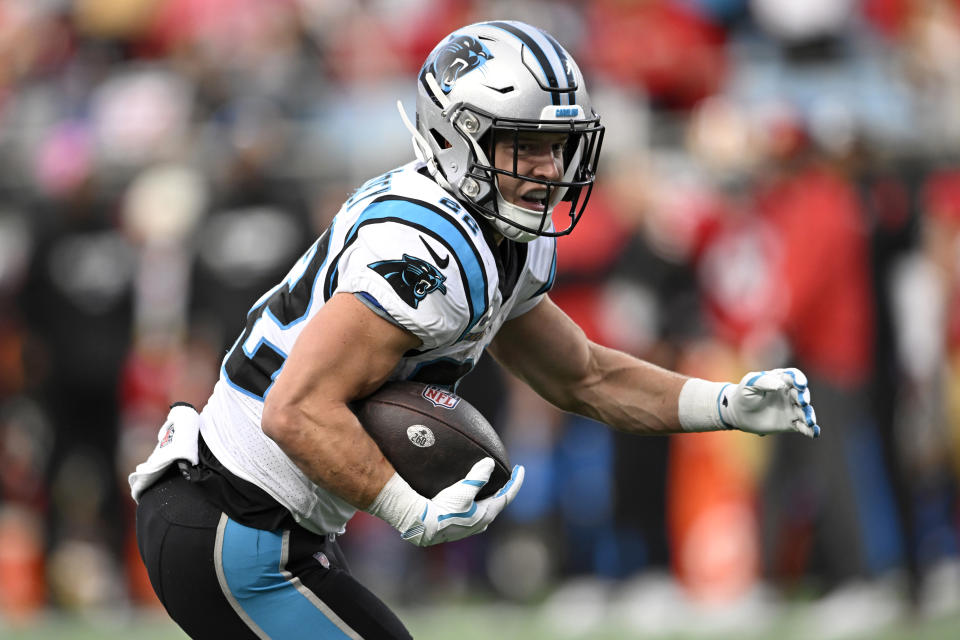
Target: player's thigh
220,579
319,565
177,533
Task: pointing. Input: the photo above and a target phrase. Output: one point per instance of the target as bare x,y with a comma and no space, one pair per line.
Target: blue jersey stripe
252,562
438,225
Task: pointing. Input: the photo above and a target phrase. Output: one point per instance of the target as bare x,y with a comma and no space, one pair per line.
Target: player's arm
346,352
548,351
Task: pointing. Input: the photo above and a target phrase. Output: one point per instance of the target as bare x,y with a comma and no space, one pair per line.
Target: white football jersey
412,254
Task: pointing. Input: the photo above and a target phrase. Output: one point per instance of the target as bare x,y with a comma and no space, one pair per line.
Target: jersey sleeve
538,276
418,267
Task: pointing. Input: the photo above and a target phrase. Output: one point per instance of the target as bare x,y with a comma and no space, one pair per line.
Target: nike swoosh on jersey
441,262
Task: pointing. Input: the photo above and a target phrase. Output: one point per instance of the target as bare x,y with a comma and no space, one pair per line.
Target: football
432,436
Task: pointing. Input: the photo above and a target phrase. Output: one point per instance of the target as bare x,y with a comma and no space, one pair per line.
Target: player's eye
537,148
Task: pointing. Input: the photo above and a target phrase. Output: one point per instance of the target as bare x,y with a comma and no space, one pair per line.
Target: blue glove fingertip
799,379
513,478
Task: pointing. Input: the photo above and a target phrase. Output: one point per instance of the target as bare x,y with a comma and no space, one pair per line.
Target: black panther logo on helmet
411,277
457,57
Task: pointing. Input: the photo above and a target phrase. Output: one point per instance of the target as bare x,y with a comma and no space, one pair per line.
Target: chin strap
531,219
422,151
420,147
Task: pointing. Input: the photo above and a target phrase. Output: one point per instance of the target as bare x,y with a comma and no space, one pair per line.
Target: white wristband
396,503
698,407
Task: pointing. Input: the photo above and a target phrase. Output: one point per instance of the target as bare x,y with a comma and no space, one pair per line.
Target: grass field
473,622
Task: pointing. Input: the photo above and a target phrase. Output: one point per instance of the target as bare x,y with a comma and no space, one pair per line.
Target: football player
422,269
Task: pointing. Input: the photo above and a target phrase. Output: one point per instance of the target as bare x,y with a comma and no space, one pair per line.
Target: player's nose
546,166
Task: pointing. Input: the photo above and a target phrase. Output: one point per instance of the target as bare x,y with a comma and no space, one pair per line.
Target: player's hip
234,436
218,578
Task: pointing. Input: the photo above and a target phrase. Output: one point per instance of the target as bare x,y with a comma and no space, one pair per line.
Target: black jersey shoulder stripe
510,262
551,276
523,254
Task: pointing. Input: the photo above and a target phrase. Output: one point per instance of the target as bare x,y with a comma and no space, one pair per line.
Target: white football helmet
503,79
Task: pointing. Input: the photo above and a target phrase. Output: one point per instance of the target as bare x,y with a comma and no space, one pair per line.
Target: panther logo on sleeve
412,278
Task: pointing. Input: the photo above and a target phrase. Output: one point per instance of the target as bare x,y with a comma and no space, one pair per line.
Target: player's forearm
627,393
639,397
334,452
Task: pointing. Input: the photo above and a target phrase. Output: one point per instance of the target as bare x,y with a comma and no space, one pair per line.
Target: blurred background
780,185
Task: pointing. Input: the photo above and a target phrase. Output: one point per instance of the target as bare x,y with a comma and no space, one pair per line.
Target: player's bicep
545,349
345,352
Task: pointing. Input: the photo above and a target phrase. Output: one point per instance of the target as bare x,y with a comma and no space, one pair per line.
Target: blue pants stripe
253,572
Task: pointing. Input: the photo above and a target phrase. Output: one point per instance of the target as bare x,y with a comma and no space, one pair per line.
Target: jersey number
254,361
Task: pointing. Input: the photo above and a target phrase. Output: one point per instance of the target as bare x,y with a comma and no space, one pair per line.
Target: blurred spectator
259,221
889,189
149,147
78,308
817,28
924,297
789,278
24,440
666,48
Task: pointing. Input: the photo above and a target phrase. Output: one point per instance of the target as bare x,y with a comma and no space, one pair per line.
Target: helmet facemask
506,81
577,167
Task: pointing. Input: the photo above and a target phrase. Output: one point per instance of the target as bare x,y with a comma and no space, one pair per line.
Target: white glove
452,514
763,402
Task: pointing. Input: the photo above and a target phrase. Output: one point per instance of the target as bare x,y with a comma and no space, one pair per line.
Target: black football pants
220,579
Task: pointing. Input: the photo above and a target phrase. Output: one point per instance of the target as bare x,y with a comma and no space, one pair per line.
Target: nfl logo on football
440,397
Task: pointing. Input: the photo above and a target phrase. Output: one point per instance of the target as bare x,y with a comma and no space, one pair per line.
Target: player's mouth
535,200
